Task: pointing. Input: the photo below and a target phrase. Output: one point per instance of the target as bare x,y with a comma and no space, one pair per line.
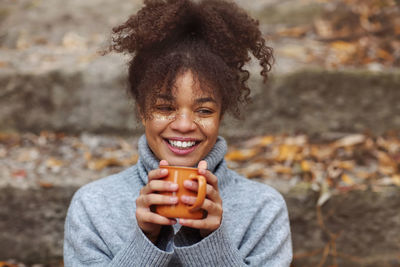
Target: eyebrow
205,99
166,97
198,100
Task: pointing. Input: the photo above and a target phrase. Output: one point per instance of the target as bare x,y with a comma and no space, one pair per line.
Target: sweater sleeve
267,242
84,245
213,250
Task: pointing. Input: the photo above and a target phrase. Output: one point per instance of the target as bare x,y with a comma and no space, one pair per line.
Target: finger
188,200
208,224
151,217
211,179
157,174
207,205
191,185
156,199
160,186
211,206
211,193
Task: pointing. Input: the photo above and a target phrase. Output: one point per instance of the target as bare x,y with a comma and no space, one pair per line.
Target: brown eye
164,108
205,111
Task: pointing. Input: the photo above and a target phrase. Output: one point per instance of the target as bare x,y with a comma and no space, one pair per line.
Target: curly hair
211,38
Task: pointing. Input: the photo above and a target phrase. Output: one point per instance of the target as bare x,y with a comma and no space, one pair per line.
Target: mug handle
201,193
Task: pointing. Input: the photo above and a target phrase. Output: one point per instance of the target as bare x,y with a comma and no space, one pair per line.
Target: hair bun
223,26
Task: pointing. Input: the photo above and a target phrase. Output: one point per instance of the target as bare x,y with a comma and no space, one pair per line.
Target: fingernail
188,183
173,199
186,198
182,221
173,186
164,171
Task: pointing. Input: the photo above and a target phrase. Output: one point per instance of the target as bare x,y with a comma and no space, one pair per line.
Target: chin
183,162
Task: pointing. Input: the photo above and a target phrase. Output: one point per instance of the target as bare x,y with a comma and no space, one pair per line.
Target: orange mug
181,210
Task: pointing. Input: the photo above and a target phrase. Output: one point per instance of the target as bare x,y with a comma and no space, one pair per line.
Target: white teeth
182,144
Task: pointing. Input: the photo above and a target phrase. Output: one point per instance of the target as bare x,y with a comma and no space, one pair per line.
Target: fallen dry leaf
396,179
254,171
4,64
72,40
321,153
297,31
305,166
387,170
241,155
282,169
289,153
325,194
19,174
27,155
53,162
363,174
347,180
7,264
99,164
267,140
346,165
351,140
324,28
45,184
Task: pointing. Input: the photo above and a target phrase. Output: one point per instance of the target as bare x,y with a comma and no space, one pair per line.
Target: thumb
202,166
164,163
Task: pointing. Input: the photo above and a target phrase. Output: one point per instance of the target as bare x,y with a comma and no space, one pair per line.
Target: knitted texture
101,227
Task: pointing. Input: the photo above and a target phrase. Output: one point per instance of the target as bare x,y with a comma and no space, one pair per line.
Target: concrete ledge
366,223
310,101
317,101
89,97
32,224
359,228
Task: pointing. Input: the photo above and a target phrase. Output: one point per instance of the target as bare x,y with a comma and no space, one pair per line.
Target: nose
183,122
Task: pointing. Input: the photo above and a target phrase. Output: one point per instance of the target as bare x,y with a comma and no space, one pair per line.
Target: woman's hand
148,221
212,204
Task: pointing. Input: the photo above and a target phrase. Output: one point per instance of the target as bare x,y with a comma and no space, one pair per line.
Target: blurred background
324,130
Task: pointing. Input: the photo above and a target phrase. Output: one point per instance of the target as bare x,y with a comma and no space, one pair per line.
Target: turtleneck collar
215,159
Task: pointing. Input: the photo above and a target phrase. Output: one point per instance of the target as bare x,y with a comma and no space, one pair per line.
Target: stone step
359,228
92,97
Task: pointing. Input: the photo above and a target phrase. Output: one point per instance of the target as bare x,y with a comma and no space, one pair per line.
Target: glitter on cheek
160,117
204,122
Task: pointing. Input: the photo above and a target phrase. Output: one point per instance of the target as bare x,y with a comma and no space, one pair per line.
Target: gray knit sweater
101,227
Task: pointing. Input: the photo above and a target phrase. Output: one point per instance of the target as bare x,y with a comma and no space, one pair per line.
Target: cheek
155,126
208,125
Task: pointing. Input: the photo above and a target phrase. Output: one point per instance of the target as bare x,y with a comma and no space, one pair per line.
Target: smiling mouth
182,144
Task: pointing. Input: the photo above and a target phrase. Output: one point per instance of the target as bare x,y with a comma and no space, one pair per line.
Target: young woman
185,74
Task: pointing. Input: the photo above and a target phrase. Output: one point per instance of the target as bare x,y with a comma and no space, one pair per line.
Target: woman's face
183,127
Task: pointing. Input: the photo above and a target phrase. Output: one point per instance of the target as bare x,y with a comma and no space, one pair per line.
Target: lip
179,151
184,139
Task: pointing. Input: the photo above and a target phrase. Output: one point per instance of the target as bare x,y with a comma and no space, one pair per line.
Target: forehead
188,87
